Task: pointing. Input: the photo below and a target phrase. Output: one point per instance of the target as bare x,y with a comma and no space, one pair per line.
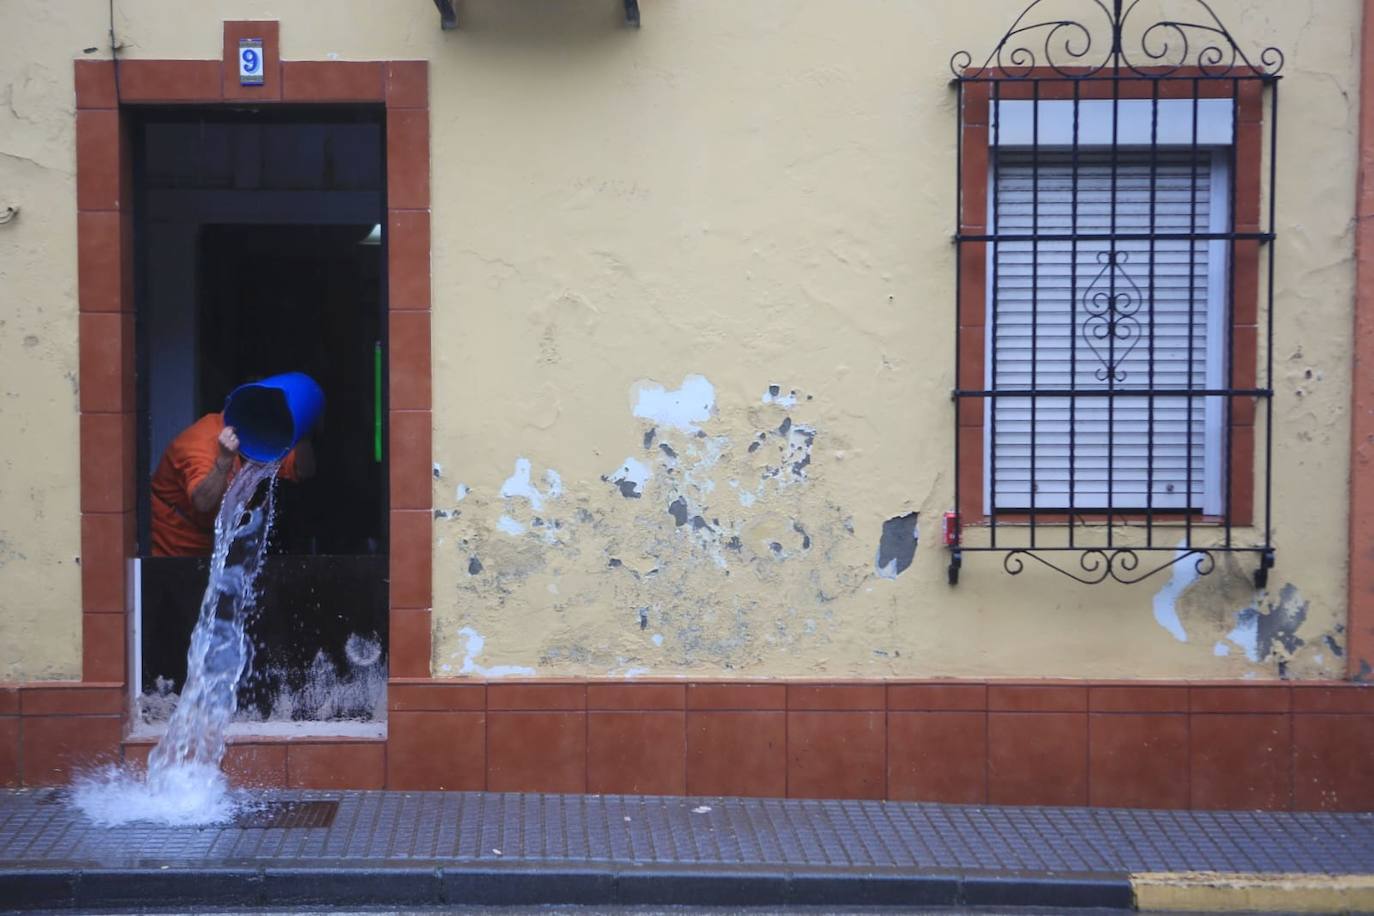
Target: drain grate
289,815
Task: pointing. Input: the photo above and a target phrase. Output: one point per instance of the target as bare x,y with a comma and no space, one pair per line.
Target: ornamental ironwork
1116,396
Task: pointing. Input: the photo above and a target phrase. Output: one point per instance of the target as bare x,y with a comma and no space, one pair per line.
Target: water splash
184,784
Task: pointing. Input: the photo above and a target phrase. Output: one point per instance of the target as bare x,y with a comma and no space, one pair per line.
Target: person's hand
228,448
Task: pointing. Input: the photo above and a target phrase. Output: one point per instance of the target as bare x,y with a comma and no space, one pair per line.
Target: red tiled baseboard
1303,746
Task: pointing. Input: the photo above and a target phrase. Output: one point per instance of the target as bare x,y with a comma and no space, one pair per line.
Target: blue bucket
273,414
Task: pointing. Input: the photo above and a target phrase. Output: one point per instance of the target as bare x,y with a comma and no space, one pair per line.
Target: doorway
260,249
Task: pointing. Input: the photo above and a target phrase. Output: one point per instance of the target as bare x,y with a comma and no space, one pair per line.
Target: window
1097,287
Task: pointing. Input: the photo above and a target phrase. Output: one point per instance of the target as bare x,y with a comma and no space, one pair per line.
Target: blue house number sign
250,61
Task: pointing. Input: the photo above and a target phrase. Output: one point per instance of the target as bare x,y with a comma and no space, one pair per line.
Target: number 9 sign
250,62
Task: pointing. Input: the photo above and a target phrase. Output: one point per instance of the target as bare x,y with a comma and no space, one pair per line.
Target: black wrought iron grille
1125,394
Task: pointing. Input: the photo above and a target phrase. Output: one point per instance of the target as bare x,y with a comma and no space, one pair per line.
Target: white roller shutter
1127,454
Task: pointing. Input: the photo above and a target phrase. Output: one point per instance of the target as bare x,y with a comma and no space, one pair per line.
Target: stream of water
184,783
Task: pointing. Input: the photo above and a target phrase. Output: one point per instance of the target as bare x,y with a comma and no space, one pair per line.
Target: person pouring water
265,420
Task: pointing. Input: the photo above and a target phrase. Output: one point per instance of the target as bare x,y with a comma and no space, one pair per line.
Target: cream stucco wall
737,195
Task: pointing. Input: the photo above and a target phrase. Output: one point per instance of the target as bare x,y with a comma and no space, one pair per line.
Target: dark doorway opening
259,250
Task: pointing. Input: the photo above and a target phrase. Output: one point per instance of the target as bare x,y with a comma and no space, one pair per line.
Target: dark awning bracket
448,16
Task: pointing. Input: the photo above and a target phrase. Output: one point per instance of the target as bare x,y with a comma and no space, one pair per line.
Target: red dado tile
1138,760
411,559
407,84
636,696
434,751
408,266
1328,698
537,697
737,753
739,696
9,751
336,765
269,33
407,158
1132,698
836,754
107,462
1241,761
435,696
1241,699
95,83
950,697
256,766
332,81
99,260
98,159
9,701
412,459
103,647
56,747
836,696
136,755
637,753
106,346
410,360
1037,758
106,542
937,756
170,81
71,699
1332,756
1037,698
537,752
410,647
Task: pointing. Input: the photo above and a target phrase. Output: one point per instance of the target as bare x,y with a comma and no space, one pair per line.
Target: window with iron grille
1110,308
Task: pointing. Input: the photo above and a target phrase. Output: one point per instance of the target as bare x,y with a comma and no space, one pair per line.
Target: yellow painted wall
754,194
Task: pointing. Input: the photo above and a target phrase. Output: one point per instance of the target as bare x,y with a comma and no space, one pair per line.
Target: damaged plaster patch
473,643
774,395
630,478
461,492
681,409
897,547
1166,599
510,526
518,485
1260,635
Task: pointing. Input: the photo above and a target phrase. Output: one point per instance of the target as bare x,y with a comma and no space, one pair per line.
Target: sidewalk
394,848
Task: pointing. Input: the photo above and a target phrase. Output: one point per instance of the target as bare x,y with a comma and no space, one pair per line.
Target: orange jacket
179,529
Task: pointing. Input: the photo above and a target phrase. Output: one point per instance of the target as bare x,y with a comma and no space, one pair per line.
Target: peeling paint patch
1184,574
510,526
897,547
681,409
461,492
473,644
630,478
474,565
1263,635
1246,634
678,510
775,395
519,486
1221,650
438,470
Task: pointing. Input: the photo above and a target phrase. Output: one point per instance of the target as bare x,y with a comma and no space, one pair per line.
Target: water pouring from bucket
184,784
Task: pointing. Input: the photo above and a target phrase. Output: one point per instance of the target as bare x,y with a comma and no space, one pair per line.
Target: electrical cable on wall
114,53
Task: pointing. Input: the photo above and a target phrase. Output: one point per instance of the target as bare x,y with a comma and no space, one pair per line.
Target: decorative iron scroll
1111,328
1108,40
1121,564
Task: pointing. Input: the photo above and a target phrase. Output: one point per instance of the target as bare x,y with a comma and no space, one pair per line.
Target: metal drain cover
289,815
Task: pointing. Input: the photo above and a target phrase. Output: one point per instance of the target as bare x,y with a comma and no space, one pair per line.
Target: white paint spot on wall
774,394
473,644
438,470
1221,650
1166,599
681,409
1246,634
462,492
631,477
635,672
510,526
519,486
657,639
